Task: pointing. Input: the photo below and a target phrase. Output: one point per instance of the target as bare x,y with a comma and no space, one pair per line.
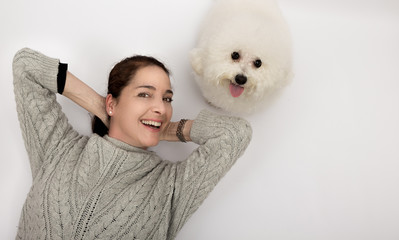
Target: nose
159,106
240,79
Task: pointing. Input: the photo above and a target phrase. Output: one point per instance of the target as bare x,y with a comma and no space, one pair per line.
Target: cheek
169,112
128,112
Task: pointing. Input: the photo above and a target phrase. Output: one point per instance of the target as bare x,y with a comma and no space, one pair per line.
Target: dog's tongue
236,90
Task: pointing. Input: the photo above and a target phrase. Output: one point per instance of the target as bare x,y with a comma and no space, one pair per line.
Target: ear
110,104
196,60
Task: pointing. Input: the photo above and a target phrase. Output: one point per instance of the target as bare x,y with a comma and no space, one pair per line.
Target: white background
324,159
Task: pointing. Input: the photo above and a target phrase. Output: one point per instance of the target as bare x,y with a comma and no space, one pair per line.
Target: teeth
152,123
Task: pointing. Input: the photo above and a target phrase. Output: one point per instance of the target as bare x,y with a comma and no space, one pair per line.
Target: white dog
243,52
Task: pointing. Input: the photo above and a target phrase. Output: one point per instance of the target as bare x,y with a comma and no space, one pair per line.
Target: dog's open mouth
236,90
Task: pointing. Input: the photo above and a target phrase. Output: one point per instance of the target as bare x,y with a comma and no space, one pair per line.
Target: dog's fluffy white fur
256,30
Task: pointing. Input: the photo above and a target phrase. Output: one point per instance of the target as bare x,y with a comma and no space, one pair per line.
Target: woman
111,186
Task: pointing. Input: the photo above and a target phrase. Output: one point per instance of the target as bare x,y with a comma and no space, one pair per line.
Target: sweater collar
125,146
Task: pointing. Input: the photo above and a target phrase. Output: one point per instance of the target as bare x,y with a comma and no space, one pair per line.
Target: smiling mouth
151,124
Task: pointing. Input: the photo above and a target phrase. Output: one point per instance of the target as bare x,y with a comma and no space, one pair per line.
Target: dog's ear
196,60
288,77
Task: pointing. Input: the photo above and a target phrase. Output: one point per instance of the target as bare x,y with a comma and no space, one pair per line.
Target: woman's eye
167,99
144,95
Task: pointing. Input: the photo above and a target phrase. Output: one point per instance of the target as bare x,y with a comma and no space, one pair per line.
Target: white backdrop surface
324,159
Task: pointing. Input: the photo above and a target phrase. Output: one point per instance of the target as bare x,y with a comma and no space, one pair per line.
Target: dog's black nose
240,79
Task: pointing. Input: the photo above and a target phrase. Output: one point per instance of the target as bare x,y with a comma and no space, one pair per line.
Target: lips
235,90
154,125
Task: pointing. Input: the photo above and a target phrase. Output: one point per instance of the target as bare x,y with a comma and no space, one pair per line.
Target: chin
150,143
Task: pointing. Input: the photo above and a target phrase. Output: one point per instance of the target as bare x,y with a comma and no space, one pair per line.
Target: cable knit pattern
101,188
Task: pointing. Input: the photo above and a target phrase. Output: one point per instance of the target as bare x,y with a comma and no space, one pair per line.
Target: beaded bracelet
179,131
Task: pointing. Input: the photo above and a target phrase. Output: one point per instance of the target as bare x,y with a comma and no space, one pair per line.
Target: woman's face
143,109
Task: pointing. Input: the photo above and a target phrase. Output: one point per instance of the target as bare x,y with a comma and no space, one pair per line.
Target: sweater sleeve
44,126
222,140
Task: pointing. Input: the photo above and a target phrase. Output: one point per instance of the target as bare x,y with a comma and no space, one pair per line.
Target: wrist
169,133
179,131
187,130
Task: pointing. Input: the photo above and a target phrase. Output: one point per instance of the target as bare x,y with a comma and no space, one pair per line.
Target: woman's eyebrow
154,88
147,86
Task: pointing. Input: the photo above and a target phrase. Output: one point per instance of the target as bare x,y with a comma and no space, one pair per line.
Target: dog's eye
258,63
235,56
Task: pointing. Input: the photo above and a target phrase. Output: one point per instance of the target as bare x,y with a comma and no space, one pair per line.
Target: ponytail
98,126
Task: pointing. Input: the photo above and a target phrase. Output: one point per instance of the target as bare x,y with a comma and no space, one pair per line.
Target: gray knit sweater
101,188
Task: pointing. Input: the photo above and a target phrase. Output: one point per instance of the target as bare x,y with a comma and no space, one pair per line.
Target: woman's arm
85,96
44,126
222,140
169,134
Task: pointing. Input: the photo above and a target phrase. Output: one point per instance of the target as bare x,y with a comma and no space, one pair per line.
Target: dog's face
235,77
236,72
243,53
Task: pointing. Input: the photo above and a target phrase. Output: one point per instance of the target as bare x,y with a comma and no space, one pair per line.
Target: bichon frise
243,53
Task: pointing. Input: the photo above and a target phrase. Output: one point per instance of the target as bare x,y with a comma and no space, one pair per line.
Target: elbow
19,55
18,66
238,136
245,133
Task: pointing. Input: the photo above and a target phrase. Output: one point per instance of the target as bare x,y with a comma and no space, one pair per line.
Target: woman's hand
167,131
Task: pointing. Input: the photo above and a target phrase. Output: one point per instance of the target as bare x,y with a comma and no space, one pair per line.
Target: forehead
153,76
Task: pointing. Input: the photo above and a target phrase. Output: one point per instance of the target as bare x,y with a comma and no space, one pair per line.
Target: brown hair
119,77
